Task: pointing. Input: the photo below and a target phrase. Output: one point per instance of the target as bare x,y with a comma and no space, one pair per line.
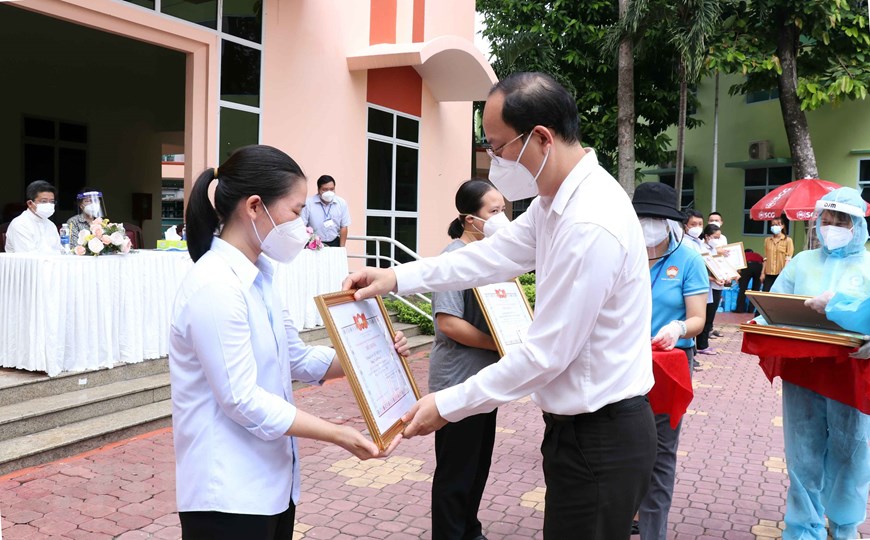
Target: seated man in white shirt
32,231
327,213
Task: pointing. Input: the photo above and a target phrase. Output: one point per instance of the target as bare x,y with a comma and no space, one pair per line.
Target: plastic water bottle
64,238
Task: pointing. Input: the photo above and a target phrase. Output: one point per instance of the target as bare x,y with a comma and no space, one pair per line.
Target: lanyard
326,210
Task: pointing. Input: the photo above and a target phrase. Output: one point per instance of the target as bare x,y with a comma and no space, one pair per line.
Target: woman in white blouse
233,355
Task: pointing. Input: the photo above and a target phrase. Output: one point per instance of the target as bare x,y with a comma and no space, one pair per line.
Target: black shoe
635,527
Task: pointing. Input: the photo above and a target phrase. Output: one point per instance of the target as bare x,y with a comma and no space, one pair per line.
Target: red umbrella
797,200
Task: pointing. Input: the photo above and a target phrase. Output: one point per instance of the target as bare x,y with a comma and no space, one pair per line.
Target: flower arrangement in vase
103,238
314,242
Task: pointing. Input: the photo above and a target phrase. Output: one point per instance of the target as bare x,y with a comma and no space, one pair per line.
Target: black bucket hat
654,199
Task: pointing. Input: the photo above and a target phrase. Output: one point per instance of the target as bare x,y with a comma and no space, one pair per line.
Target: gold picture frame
736,255
787,316
507,312
379,377
720,268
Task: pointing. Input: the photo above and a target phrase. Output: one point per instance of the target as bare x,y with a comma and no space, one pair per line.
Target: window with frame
762,95
239,23
392,184
55,151
864,179
687,200
757,184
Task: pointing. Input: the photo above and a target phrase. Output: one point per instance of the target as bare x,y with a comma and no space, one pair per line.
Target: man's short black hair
37,187
713,214
532,99
690,213
325,179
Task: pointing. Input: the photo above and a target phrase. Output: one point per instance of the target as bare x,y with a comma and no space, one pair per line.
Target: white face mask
513,179
835,237
775,229
716,223
45,210
93,210
327,196
695,232
492,225
655,230
717,242
285,241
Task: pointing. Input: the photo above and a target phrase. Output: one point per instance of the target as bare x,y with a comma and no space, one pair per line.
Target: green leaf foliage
832,47
409,316
565,39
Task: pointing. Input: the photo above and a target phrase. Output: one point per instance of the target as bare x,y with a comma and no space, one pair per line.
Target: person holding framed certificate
710,237
234,353
679,285
586,358
826,441
463,346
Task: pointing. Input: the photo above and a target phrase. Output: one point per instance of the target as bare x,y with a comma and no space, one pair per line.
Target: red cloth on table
672,391
823,368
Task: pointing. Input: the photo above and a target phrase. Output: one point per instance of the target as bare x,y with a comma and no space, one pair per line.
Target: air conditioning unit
760,150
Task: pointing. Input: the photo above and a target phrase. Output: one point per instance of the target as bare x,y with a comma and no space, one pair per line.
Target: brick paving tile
731,478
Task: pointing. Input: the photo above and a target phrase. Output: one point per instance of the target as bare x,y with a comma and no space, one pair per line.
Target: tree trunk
681,136
802,155
625,105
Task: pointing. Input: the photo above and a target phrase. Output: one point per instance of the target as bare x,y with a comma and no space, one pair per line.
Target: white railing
378,257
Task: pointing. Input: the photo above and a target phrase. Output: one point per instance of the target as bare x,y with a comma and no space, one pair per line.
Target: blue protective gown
826,442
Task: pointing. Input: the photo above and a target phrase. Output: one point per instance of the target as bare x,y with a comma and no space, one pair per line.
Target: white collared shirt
29,233
232,366
589,343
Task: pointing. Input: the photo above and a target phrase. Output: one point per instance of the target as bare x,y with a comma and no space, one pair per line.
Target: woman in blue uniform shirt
826,440
680,286
233,355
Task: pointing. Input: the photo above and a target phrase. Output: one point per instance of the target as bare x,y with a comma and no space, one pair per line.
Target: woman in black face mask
463,346
679,284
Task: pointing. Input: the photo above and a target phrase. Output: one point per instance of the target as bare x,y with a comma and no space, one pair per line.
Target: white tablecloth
68,313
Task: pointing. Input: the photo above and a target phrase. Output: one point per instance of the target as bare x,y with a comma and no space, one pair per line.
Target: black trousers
463,454
703,339
769,280
597,467
335,242
753,272
223,526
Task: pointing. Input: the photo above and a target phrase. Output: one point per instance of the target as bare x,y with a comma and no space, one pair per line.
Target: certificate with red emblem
507,312
381,380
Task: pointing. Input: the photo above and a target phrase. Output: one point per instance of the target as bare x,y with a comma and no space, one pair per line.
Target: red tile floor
731,477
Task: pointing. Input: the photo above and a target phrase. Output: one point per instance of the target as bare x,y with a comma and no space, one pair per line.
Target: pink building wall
313,106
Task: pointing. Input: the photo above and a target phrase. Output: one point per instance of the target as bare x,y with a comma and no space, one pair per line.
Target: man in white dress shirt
587,358
32,231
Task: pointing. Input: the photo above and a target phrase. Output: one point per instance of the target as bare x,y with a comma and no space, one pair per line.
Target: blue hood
851,197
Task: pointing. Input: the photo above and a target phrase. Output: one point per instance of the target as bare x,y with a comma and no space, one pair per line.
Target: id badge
329,224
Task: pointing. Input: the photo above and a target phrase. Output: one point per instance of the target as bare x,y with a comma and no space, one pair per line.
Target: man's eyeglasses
494,152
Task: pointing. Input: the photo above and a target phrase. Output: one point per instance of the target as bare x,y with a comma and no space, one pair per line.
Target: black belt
611,409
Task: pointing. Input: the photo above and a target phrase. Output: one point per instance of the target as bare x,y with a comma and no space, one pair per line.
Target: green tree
815,52
564,38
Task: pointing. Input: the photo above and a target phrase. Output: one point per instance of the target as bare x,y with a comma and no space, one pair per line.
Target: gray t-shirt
451,363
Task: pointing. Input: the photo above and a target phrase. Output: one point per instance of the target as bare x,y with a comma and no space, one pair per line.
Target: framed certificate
381,380
720,268
507,312
787,316
736,255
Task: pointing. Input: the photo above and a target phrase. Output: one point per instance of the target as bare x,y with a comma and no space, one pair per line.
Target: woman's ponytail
201,218
456,228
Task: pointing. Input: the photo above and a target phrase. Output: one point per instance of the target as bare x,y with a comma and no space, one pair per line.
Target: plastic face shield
91,204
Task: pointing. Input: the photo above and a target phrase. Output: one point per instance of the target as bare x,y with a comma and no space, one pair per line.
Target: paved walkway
730,484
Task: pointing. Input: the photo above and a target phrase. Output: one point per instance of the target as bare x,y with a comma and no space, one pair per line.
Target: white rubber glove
863,353
820,302
669,334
